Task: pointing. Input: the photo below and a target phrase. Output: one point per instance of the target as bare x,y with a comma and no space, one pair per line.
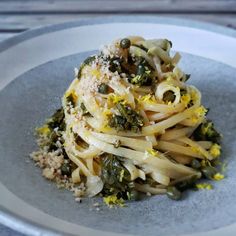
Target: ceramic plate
37,66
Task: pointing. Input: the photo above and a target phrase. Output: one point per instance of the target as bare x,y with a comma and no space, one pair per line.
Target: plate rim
21,224
31,33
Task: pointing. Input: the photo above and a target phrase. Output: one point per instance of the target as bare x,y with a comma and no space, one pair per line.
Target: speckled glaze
34,206
28,100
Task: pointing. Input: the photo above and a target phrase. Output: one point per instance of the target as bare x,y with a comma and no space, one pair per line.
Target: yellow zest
107,112
218,177
197,150
215,150
44,130
96,73
204,186
153,152
113,98
147,98
185,99
113,201
194,95
200,111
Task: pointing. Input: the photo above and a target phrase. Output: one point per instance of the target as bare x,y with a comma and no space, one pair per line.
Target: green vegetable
103,88
57,120
206,131
127,120
53,139
195,164
169,96
170,43
87,61
209,172
115,64
185,77
115,176
118,122
173,193
125,43
143,75
66,169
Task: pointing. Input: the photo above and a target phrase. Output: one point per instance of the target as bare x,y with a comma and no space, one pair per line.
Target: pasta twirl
129,124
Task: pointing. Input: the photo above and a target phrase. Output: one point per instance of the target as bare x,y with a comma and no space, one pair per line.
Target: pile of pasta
130,104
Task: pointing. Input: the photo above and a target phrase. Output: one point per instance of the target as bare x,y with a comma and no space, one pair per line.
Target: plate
36,68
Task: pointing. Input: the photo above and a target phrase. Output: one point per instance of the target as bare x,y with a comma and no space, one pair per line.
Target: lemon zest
200,111
153,152
204,186
218,177
112,200
96,73
113,98
147,98
215,150
185,99
44,130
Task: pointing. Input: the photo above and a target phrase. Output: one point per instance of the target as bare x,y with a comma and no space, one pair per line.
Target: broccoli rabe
206,131
143,75
87,61
116,178
127,120
57,120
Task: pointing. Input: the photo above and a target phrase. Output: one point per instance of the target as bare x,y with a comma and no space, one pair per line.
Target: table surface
17,16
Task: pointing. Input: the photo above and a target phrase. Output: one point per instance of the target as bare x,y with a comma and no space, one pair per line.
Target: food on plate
129,124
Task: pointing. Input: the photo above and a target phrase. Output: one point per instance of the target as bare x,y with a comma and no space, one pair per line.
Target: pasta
128,124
